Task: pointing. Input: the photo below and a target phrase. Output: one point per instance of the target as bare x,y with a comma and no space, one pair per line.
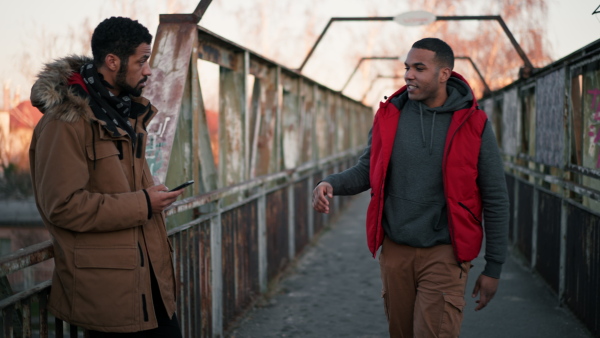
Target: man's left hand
487,286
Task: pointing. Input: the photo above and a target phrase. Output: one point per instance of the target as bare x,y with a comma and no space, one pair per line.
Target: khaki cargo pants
423,290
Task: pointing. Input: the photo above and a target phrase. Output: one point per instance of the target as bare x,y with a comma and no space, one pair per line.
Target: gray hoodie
415,206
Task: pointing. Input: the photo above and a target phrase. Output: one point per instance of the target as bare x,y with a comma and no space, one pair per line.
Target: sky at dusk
24,23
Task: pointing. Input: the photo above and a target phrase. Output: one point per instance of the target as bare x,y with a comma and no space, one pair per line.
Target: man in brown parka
113,261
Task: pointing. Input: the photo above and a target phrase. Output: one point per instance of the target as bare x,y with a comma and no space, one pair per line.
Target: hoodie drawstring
423,129
431,142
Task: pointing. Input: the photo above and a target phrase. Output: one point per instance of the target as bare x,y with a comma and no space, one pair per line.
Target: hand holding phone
183,185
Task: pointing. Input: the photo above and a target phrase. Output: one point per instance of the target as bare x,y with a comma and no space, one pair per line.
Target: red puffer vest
459,167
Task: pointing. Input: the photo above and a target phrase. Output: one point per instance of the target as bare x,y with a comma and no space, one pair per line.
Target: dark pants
167,327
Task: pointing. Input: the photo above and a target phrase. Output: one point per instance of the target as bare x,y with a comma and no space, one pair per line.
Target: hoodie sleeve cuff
148,202
492,269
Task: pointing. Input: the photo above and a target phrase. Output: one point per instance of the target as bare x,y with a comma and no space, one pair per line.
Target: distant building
17,120
23,119
20,222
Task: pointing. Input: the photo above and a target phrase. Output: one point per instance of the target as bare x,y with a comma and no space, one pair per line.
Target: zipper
469,211
450,224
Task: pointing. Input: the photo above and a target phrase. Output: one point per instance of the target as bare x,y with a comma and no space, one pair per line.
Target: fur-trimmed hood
51,93
54,97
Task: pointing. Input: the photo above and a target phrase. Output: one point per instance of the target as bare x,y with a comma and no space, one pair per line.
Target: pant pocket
453,315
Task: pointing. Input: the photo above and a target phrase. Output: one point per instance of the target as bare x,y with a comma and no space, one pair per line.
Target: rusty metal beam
232,130
486,89
528,66
194,17
527,70
361,61
23,258
290,122
201,9
207,174
224,51
14,299
331,20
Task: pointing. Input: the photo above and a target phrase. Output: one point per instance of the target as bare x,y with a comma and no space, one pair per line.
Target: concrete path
334,290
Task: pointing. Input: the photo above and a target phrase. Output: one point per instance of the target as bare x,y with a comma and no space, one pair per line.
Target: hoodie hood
460,96
52,95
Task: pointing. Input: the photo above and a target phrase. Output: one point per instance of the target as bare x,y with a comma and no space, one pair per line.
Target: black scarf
114,110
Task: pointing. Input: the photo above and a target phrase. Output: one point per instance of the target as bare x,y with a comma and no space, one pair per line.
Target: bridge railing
548,127
224,259
255,158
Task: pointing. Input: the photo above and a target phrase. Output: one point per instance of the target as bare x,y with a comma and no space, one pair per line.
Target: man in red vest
434,169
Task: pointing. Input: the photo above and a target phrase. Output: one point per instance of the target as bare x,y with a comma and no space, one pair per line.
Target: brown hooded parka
88,188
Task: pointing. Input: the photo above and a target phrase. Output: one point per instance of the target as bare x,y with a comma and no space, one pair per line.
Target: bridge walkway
333,290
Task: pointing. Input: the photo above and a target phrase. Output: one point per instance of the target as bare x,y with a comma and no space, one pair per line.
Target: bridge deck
334,291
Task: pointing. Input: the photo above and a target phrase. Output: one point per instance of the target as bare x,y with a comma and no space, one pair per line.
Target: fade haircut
119,36
443,52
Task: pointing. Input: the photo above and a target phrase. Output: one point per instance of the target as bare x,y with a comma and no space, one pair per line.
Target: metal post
291,219
534,228
262,241
216,266
311,211
562,272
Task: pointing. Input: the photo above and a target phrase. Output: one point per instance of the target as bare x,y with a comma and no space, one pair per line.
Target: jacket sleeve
61,178
492,185
353,180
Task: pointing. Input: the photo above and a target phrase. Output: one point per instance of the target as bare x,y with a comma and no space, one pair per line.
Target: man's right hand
321,195
161,198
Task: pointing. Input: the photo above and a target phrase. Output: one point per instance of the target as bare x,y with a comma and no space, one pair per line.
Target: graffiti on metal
591,117
511,122
170,65
593,124
550,109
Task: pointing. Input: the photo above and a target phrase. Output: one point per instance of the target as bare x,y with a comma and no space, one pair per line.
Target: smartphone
183,185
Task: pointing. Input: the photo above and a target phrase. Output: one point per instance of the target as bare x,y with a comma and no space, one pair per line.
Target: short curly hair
120,36
443,52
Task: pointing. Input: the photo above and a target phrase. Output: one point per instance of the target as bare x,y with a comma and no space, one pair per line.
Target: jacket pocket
105,258
105,291
107,172
101,149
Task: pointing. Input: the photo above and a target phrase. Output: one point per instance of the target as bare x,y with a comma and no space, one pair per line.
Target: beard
126,88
